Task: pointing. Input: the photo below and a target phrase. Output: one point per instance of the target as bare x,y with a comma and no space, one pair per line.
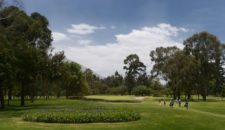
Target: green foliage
96,85
121,90
99,114
73,80
160,57
223,92
209,52
197,68
134,69
141,91
114,80
28,63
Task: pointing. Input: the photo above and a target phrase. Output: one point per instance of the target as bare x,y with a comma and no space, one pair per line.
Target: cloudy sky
99,34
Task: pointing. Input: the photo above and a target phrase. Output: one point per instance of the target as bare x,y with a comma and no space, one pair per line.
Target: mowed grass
201,115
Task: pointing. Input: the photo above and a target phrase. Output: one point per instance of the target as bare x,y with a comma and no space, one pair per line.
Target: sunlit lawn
201,115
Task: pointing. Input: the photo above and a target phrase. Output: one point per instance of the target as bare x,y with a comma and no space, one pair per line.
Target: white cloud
106,59
58,36
84,42
83,29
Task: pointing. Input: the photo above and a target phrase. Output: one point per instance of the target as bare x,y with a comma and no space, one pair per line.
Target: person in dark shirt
186,104
171,103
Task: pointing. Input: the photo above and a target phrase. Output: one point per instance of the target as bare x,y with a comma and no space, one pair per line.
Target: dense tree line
29,67
198,68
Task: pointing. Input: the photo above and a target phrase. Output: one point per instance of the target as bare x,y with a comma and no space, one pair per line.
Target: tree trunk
10,93
46,97
47,90
1,97
189,96
22,96
174,96
178,95
58,94
204,93
204,97
32,98
67,93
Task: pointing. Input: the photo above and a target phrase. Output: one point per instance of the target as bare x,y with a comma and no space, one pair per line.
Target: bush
166,91
97,115
156,93
121,90
141,91
75,97
162,92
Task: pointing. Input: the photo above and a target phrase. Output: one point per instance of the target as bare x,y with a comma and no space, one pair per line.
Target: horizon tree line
30,68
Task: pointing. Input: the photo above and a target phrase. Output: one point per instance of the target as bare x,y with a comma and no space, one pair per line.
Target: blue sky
102,24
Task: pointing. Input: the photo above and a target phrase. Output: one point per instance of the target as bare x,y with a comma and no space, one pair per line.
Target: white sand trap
140,98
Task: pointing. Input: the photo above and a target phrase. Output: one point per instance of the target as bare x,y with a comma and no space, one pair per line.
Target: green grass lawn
201,115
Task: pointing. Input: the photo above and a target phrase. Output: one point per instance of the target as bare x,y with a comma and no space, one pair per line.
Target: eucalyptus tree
208,50
161,68
6,67
134,68
7,3
94,81
160,57
181,69
30,38
74,80
52,73
114,80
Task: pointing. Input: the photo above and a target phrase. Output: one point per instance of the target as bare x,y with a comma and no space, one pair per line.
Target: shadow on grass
13,109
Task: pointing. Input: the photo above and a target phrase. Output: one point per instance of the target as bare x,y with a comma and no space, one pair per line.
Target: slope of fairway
201,116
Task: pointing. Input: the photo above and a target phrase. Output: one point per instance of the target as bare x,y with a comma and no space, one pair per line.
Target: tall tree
180,71
134,68
94,82
6,67
208,51
176,68
161,56
7,3
74,80
115,80
30,38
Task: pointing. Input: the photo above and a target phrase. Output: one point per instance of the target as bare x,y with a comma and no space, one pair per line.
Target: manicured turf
201,116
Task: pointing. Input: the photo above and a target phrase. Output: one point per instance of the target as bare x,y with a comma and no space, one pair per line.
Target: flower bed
84,116
105,100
